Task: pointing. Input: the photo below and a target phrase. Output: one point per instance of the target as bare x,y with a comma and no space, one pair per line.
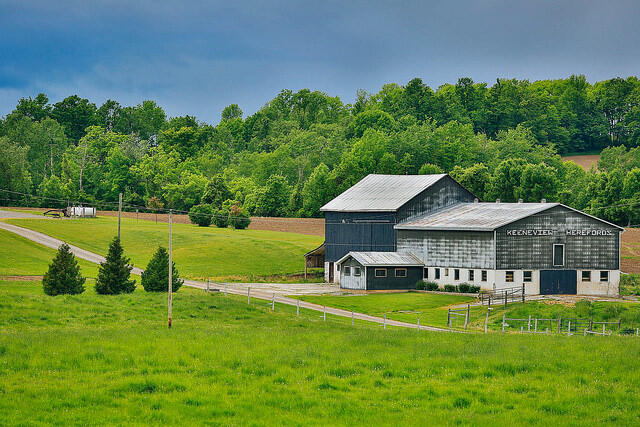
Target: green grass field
432,309
222,254
90,359
20,256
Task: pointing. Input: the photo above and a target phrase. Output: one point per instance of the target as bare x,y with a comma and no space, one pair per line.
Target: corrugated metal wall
536,252
468,249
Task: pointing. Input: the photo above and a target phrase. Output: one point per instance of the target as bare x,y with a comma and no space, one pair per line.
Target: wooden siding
465,249
351,281
536,252
414,274
443,193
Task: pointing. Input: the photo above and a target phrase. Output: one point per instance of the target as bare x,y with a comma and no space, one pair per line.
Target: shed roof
483,216
387,259
475,216
381,193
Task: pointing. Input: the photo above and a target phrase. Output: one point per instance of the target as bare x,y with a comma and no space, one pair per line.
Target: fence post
351,317
521,329
486,321
637,331
298,307
466,318
569,328
449,318
324,313
619,320
489,298
249,295
591,324
418,323
536,326
207,285
529,324
273,302
225,289
559,323
523,292
603,329
503,316
505,299
384,324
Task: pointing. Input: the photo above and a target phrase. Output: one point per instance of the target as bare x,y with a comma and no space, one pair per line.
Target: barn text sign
569,232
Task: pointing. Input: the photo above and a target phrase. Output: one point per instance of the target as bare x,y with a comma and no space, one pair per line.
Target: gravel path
265,291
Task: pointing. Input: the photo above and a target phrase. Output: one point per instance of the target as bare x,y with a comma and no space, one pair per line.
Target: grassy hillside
92,359
20,256
198,252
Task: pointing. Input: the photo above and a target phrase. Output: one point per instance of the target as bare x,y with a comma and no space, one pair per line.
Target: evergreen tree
64,275
156,277
113,274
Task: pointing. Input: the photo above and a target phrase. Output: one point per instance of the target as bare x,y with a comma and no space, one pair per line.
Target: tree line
303,148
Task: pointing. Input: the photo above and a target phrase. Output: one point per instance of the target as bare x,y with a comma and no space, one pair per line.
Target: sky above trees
199,57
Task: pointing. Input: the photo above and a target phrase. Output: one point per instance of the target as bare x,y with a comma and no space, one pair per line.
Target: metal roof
475,216
381,193
386,259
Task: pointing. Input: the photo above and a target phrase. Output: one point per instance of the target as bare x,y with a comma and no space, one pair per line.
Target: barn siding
536,252
467,249
351,281
414,274
374,232
443,193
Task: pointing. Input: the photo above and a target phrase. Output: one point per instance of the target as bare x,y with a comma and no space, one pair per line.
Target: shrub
201,215
420,285
431,286
238,217
474,289
630,284
155,277
450,288
221,218
464,288
113,274
63,276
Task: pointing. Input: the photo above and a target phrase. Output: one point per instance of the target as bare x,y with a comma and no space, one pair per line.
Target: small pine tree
113,274
156,277
63,276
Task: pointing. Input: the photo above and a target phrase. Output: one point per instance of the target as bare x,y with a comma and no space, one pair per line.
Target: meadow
90,359
432,309
199,252
20,256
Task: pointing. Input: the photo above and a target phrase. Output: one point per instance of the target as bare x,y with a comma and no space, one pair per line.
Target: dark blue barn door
558,282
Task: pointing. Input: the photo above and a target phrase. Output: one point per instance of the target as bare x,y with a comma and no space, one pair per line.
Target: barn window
586,276
484,275
509,276
425,273
604,276
526,276
380,272
437,271
446,271
401,272
456,274
558,255
347,270
472,274
356,271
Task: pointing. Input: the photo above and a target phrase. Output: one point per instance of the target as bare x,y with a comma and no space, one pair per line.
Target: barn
432,223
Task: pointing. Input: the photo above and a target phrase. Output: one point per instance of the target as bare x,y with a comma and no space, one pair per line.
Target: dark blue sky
197,57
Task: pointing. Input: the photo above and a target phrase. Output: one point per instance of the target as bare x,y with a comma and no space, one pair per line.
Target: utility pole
119,213
170,271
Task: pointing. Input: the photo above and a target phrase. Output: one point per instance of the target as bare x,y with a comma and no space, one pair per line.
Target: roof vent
519,200
497,200
543,201
475,200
